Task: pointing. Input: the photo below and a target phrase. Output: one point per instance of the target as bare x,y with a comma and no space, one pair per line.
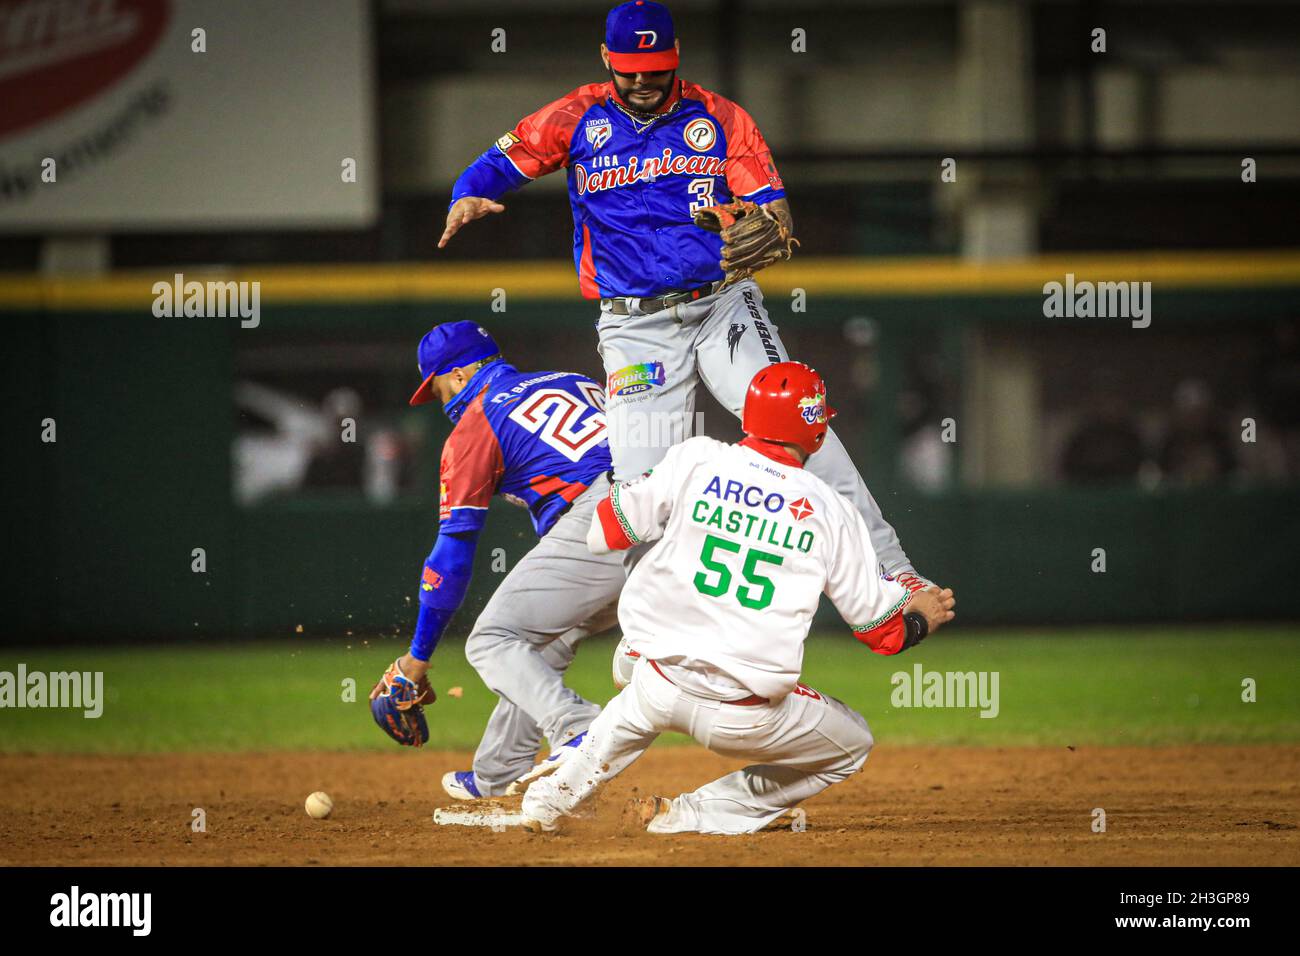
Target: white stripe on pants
802,744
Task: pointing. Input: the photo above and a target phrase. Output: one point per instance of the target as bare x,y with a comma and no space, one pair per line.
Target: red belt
753,700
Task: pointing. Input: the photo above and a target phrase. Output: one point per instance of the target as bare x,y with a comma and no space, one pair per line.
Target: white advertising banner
186,114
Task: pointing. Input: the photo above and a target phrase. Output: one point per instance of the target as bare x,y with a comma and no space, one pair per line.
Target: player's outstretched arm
909,621
898,613
537,146
925,611
466,210
397,700
443,584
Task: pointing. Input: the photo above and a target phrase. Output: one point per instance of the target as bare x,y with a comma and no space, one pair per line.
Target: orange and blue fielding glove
397,704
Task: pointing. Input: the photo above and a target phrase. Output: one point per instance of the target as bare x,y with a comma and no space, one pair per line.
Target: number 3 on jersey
757,594
553,416
703,189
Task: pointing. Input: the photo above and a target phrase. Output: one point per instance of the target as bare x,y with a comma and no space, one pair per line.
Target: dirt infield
911,806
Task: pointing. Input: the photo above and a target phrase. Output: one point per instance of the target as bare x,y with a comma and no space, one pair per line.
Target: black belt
621,304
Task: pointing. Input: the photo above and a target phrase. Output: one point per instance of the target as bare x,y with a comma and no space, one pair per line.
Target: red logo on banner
55,55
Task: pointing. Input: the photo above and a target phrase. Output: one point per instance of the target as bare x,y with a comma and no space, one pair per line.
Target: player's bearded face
644,92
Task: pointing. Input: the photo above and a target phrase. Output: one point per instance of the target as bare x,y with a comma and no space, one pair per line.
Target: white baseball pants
801,745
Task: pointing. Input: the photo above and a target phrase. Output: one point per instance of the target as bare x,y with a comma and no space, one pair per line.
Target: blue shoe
460,785
552,763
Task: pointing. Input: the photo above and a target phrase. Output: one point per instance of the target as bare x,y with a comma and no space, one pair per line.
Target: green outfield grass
1058,687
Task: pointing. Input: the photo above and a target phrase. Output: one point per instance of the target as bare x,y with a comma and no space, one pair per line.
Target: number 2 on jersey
552,415
745,594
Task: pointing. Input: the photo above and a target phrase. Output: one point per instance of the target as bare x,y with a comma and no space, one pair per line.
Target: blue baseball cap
639,37
450,346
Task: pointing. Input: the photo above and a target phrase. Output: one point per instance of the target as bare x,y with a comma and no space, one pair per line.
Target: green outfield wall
103,522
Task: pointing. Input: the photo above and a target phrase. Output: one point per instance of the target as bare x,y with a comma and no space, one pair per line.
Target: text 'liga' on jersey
635,185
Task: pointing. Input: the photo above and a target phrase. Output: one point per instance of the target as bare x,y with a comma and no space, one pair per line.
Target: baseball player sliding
748,541
539,440
676,203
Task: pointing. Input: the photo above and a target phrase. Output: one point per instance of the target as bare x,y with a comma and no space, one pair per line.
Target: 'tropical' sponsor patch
635,378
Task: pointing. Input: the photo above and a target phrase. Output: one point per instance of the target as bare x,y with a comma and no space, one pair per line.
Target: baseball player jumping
676,202
748,542
539,440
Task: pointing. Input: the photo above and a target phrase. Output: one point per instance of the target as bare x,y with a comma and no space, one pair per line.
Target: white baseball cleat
624,661
640,812
552,763
538,815
534,825
460,785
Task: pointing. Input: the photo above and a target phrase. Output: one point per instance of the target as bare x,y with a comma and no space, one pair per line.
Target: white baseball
319,805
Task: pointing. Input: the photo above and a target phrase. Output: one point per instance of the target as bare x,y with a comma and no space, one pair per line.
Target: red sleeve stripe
885,638
616,538
547,485
885,635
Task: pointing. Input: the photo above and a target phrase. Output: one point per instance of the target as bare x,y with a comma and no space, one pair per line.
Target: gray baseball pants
721,340
522,643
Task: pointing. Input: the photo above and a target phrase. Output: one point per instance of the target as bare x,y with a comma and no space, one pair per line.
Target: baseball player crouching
748,541
538,439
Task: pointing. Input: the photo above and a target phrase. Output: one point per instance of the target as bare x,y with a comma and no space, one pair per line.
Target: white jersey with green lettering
748,543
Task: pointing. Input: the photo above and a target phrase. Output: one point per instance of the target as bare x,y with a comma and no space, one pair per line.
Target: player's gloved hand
396,703
752,237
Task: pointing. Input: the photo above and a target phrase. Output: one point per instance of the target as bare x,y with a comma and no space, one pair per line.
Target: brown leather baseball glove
752,237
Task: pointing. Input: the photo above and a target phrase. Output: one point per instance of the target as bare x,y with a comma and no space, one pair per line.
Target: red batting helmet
787,403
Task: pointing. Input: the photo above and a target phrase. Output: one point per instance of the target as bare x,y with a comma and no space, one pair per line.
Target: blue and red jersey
536,438
635,182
